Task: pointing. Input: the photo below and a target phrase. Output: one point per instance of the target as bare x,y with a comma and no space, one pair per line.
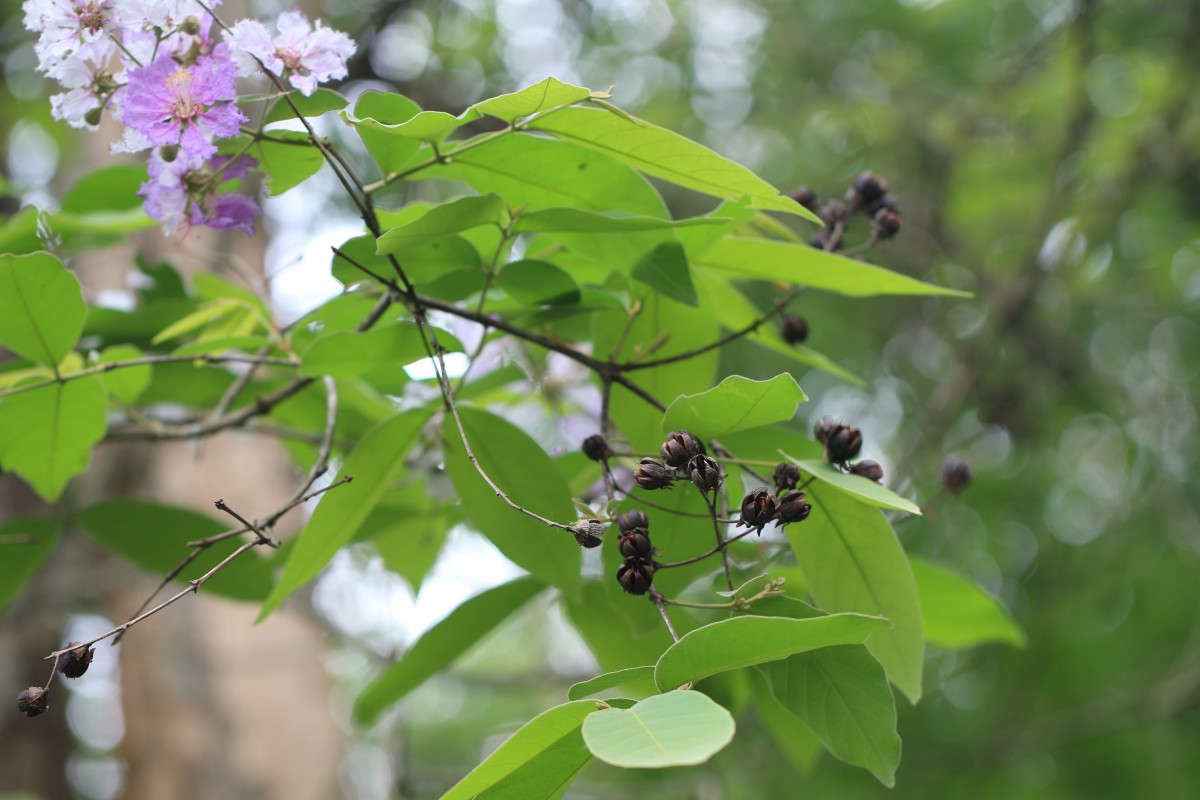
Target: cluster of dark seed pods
683,457
636,572
843,443
868,196
33,701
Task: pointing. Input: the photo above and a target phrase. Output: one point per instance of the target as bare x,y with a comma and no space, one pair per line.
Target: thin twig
659,601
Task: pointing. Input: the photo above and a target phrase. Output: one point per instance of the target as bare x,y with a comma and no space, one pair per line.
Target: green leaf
665,154
348,354
126,383
745,641
319,102
853,561
20,559
797,742
376,111
47,434
408,530
288,158
41,307
861,489
735,404
797,263
538,283
608,680
550,93
155,537
958,613
665,270
574,220
842,695
554,732
374,464
422,262
209,312
442,220
111,188
675,729
442,644
523,471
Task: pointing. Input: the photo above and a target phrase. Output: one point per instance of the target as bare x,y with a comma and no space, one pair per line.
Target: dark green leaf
442,644
958,613
24,545
155,537
746,641
797,742
667,730
608,680
735,404
665,270
47,434
41,307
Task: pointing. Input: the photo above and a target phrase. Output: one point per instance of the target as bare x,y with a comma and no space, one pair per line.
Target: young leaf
958,613
797,263
665,270
375,112
126,383
374,464
523,471
41,307
842,695
735,404
745,641
348,354
47,434
556,731
24,545
861,489
442,220
443,643
550,93
664,154
608,680
853,561
155,537
319,102
675,729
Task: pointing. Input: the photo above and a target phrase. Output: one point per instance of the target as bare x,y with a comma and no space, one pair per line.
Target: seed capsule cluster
868,196
33,701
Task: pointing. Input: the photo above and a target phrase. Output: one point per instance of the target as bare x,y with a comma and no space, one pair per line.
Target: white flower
71,30
81,79
306,55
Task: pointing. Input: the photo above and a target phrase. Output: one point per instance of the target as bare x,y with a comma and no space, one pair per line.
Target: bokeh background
1046,154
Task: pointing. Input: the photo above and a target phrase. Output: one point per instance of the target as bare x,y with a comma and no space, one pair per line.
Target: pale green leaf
797,742
319,102
124,383
348,354
861,489
667,730
47,434
448,218
41,307
958,613
665,270
538,283
574,220
547,94
442,644
735,404
376,112
608,680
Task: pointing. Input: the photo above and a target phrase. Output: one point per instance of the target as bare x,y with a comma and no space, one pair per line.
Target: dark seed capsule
956,473
794,329
832,212
76,662
33,701
589,533
633,519
652,474
806,197
886,223
868,187
868,469
635,544
843,445
792,508
758,508
680,448
824,428
787,475
635,575
705,473
596,448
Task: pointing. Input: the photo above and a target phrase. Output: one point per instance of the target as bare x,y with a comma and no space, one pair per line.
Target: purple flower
307,55
188,106
183,193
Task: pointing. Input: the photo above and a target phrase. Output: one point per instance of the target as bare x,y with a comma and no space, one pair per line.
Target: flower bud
589,533
93,116
843,444
705,473
792,508
168,152
33,701
635,575
635,544
190,26
633,519
868,469
886,223
652,474
868,187
680,448
794,329
956,473
824,428
74,663
787,475
596,448
758,508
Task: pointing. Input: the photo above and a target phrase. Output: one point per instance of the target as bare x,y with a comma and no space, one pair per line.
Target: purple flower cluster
155,65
